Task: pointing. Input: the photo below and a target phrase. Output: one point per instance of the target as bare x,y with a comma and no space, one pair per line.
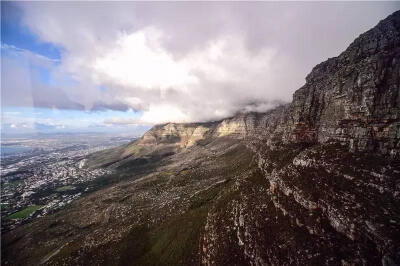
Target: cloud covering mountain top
186,62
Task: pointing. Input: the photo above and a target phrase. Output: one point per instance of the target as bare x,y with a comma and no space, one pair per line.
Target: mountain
313,182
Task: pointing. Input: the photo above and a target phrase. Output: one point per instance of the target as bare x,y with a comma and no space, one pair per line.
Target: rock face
321,206
313,182
355,97
185,135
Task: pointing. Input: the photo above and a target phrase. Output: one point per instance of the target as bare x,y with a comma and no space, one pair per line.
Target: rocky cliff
185,135
355,98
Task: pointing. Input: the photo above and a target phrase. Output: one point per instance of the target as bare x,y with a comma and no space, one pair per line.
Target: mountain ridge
328,108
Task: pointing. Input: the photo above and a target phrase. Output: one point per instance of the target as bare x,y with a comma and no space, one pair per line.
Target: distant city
43,173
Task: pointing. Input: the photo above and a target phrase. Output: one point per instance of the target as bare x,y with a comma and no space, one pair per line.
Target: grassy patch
65,188
172,243
156,181
25,212
13,183
205,197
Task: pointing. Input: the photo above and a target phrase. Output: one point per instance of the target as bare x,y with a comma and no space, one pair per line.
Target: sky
125,66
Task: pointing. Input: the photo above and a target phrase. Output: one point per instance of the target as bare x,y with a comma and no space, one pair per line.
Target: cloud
21,83
122,121
27,121
45,127
31,127
34,58
192,61
23,86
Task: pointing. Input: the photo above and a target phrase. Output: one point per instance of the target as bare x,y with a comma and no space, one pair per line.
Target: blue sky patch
13,32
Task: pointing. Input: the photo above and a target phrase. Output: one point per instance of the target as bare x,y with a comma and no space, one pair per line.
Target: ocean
7,150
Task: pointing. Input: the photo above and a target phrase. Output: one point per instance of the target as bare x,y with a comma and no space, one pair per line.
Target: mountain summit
352,99
313,182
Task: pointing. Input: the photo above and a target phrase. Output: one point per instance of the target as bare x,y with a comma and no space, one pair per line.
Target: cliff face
185,135
355,97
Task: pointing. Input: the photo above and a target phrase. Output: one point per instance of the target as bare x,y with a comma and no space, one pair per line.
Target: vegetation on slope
25,212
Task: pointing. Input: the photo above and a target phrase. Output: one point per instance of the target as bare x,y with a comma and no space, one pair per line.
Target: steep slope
154,220
313,182
160,140
320,206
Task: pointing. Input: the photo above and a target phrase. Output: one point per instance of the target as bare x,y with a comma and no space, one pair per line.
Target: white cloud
21,85
188,62
162,113
145,76
121,121
138,60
